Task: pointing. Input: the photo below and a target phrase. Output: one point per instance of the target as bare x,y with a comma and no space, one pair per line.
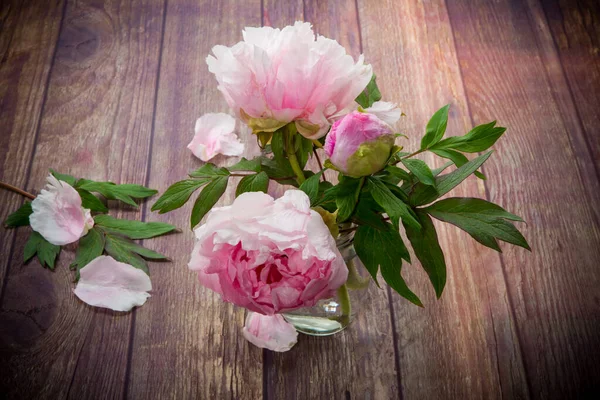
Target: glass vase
333,315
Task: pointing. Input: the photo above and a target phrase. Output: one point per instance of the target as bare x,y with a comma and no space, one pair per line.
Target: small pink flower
359,144
271,332
214,134
289,75
58,215
269,256
385,111
108,283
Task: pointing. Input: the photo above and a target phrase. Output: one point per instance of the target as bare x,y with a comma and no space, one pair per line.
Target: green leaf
177,194
135,191
311,187
457,158
480,138
441,169
88,200
366,215
130,245
246,165
370,94
46,251
399,173
132,229
427,249
436,127
209,170
253,183
304,149
106,189
207,199
283,172
64,177
116,248
393,206
420,170
277,146
19,217
346,196
483,220
90,246
385,250
423,194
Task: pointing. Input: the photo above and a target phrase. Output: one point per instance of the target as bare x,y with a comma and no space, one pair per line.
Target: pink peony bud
359,144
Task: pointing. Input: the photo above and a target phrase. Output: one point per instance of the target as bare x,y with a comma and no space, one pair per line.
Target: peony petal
271,332
385,111
58,215
214,134
108,283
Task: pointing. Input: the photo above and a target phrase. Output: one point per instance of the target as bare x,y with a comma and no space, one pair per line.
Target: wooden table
111,91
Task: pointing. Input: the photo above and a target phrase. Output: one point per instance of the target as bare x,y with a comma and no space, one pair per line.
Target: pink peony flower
269,256
271,332
359,144
214,134
278,76
58,215
385,111
106,282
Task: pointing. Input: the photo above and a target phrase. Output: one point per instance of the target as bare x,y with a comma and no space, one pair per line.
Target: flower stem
291,155
355,281
412,154
344,299
16,190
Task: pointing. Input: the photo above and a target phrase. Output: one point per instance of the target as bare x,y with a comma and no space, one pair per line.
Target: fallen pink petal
271,332
214,134
108,283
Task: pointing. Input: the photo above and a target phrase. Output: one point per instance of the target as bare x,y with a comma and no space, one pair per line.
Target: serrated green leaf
132,229
436,127
209,170
177,195
115,248
420,170
346,196
19,217
207,199
370,94
88,200
385,250
483,220
393,206
427,249
311,187
64,177
246,165
253,183
480,138
90,246
423,194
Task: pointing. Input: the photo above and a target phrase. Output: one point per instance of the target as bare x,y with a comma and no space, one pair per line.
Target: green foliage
64,177
90,246
420,170
427,249
88,200
208,198
124,192
177,195
253,183
116,247
46,251
370,94
484,221
393,206
132,229
436,127
246,165
480,138
346,196
19,217
209,170
384,249
311,187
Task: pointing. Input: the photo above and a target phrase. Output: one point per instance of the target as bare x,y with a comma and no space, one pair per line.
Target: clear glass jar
333,315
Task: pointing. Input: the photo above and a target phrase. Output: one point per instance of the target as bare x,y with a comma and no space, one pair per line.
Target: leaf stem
16,190
355,281
291,156
413,154
344,300
320,165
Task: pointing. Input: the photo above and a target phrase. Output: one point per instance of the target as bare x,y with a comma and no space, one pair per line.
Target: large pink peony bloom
269,256
58,215
288,75
359,144
271,332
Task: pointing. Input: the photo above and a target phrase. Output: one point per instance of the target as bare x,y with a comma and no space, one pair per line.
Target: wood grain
96,123
27,42
554,288
188,343
464,345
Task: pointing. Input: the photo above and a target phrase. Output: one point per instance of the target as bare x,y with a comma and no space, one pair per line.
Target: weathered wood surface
111,90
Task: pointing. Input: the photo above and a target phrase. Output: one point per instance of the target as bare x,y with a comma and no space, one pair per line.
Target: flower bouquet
303,97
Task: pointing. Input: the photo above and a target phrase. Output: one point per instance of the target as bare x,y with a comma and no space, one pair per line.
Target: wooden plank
27,43
97,123
464,345
576,31
359,362
188,343
554,288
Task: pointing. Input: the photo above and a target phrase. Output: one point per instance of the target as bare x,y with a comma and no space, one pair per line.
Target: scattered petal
215,135
108,283
58,215
271,332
